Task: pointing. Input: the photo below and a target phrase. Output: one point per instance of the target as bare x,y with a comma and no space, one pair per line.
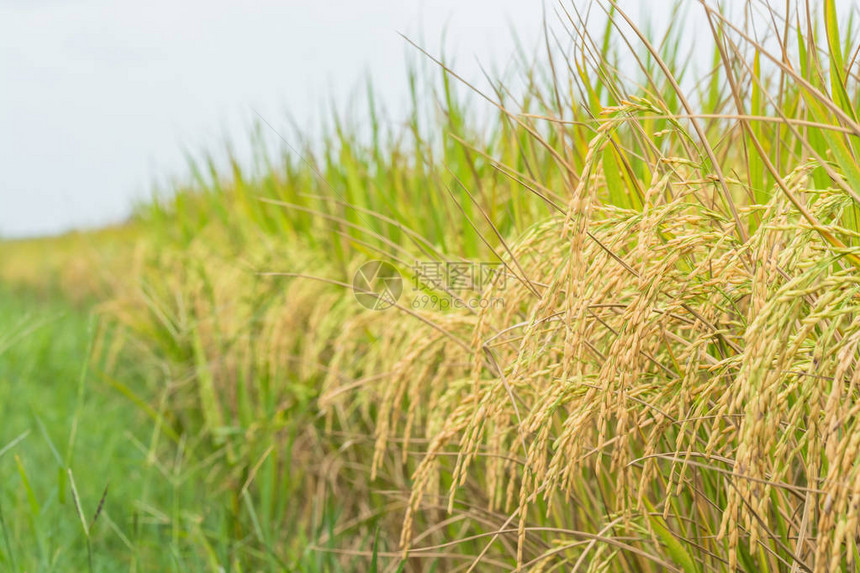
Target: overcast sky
100,98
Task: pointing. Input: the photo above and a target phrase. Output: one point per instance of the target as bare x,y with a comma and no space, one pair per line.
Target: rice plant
667,380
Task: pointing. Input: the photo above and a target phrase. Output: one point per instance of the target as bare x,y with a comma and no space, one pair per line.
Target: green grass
59,425
71,419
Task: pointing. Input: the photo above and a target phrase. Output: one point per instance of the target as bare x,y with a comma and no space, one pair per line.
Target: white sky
99,98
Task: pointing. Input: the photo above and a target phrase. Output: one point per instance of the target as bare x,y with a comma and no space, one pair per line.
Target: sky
99,99
102,99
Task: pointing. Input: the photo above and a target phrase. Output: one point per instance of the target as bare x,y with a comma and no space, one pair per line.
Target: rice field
602,316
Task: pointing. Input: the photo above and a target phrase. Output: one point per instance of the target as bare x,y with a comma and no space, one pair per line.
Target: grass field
91,481
666,379
60,423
